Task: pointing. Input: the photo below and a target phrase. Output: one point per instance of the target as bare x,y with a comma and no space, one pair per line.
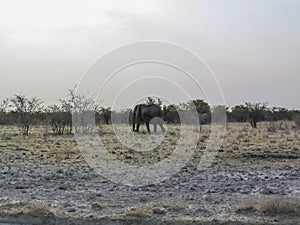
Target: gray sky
252,45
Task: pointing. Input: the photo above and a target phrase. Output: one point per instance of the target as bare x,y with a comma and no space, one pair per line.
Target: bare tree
66,111
255,112
60,119
80,102
4,105
83,108
26,108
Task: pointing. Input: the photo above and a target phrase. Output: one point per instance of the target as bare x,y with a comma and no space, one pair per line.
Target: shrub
296,119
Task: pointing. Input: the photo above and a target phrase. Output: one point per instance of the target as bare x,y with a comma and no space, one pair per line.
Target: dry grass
280,205
243,146
273,206
138,212
25,209
258,147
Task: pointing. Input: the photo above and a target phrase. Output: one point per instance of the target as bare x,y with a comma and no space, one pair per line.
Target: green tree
239,113
296,119
200,105
170,114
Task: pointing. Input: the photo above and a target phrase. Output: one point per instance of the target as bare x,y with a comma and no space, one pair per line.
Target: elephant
146,113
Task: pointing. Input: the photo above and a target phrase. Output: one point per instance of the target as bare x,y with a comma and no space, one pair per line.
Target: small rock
158,211
252,183
63,187
192,188
97,206
21,186
99,194
60,171
244,191
265,191
134,188
71,209
143,199
144,188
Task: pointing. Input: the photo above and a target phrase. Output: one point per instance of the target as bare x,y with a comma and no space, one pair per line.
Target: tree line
27,111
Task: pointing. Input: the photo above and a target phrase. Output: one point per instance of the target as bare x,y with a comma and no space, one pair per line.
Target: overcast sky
252,45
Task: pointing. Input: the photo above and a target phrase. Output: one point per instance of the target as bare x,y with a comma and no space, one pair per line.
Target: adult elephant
146,113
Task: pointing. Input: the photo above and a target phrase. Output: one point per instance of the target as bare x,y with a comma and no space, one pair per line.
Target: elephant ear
136,111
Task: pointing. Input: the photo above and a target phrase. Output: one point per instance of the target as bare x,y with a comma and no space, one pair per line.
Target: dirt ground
254,179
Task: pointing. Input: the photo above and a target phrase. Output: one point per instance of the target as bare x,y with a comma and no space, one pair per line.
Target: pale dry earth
254,179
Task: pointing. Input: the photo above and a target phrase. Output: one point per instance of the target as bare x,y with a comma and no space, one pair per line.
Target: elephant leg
155,127
138,123
148,127
138,127
162,128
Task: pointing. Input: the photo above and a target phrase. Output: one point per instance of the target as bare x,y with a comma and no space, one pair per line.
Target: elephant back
151,111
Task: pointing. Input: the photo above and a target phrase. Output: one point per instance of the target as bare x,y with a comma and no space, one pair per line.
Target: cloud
254,43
